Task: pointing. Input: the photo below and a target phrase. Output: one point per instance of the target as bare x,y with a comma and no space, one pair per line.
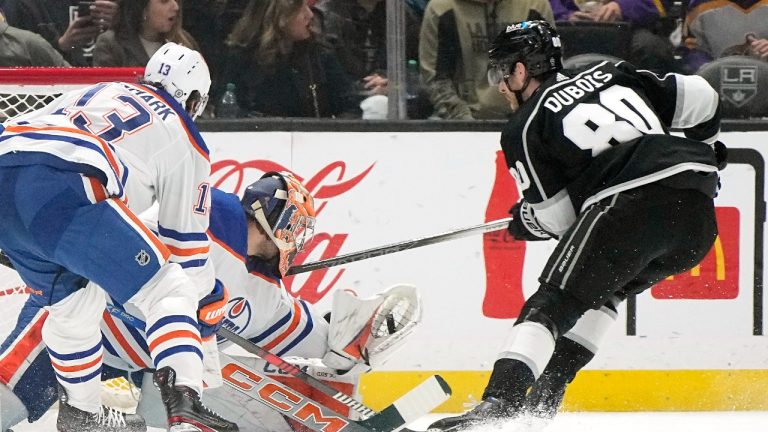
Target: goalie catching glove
524,225
363,333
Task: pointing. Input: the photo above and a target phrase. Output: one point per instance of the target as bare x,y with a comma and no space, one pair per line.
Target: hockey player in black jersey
628,203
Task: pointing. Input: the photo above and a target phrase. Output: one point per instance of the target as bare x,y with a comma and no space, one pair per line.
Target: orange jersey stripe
76,368
23,349
190,138
158,244
188,252
98,190
266,279
225,246
136,358
173,335
104,146
289,330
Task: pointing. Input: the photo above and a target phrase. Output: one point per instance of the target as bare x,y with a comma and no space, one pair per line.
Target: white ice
743,421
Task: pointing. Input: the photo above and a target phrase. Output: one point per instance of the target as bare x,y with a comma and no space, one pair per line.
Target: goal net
23,90
28,89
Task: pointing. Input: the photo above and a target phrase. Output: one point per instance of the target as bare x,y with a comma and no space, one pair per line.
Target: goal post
26,89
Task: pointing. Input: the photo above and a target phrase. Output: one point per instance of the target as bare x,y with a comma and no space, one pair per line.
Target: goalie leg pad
368,331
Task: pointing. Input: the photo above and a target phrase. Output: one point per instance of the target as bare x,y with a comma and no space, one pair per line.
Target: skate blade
184,427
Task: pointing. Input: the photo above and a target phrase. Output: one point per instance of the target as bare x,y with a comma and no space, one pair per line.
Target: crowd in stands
323,58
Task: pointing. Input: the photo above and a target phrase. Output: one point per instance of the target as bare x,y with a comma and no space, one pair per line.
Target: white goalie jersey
362,332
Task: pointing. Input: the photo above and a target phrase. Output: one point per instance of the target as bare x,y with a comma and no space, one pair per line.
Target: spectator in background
58,22
141,28
714,29
453,50
24,48
357,29
280,67
650,48
209,22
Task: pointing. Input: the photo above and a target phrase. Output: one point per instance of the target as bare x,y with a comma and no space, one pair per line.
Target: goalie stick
414,404
401,246
394,413
277,396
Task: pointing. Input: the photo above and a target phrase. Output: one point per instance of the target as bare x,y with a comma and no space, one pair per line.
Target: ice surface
751,421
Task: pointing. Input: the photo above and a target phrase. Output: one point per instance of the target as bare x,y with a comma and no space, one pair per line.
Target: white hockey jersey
144,147
259,309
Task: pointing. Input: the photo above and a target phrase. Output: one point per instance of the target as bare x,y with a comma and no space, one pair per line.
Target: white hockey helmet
180,71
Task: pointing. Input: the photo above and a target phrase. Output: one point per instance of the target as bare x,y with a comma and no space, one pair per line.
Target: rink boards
692,343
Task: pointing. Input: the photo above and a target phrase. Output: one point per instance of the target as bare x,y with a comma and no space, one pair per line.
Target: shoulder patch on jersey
560,77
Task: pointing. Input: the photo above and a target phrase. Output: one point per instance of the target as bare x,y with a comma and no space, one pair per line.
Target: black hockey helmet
534,43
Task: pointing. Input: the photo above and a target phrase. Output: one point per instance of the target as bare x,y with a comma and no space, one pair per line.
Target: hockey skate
490,410
107,419
185,410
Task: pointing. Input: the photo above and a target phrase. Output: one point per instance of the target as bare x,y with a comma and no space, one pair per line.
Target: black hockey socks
509,381
547,393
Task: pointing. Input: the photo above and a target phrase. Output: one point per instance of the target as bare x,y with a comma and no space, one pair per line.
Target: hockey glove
211,310
524,225
721,155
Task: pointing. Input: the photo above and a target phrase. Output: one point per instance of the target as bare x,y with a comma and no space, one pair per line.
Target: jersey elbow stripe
192,263
188,252
288,331
182,236
304,333
72,150
80,138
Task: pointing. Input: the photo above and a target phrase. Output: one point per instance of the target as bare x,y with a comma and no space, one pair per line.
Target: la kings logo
738,84
142,258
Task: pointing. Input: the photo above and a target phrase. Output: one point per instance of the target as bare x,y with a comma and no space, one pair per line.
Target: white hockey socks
169,303
72,336
591,328
532,344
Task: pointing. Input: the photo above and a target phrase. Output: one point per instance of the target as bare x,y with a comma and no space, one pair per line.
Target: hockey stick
401,246
269,358
419,401
430,393
380,250
295,372
279,397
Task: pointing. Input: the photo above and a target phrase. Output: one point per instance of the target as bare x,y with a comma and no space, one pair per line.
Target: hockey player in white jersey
75,173
253,240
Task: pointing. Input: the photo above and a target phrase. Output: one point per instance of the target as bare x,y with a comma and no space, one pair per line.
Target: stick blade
421,400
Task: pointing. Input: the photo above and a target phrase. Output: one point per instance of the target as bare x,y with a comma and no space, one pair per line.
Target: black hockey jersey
590,133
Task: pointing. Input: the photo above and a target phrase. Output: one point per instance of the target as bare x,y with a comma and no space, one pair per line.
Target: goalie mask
180,71
285,211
